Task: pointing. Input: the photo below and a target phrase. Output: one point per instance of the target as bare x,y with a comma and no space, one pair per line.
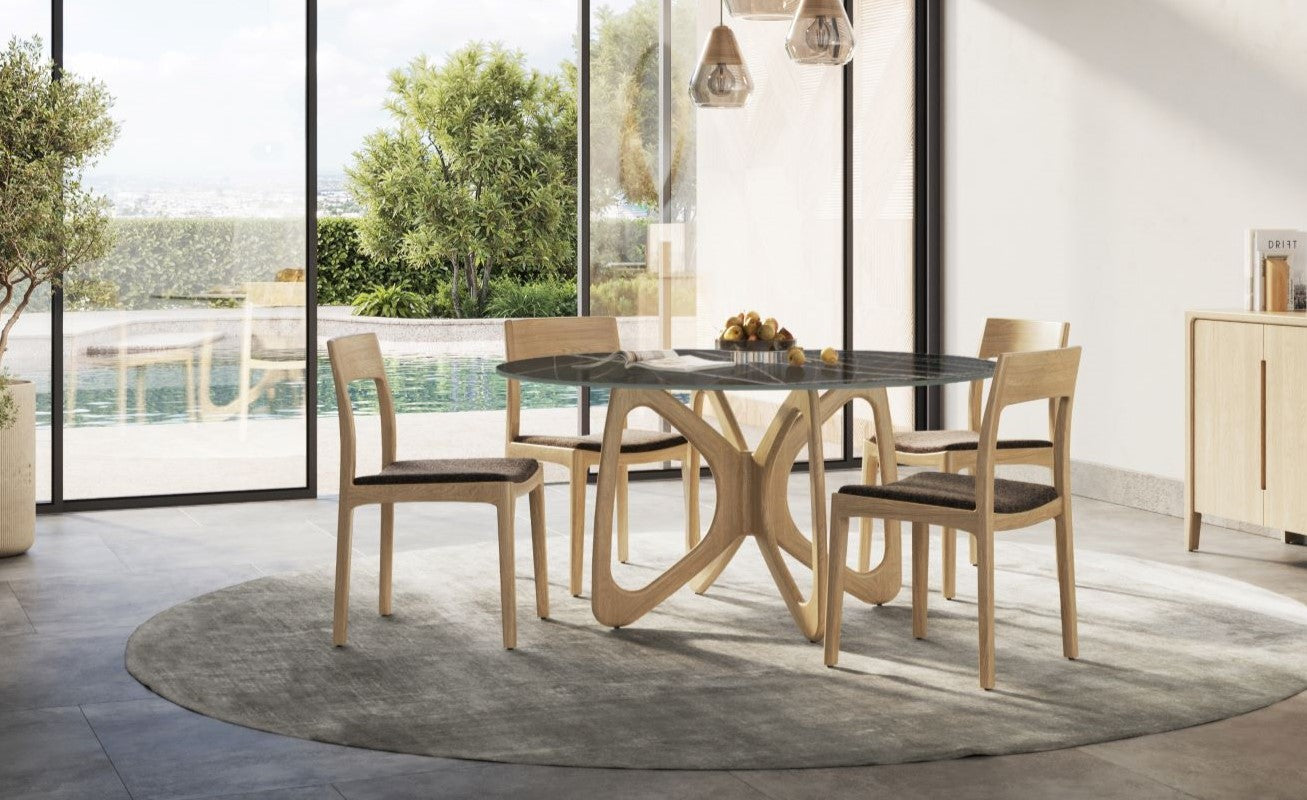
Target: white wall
1102,162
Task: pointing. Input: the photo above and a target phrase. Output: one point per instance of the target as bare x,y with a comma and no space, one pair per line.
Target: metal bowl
775,351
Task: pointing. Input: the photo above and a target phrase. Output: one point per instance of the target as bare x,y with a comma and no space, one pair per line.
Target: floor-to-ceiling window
185,349
413,98
799,205
186,353
29,354
883,105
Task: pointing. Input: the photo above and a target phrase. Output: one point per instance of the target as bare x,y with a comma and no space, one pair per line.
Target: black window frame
927,263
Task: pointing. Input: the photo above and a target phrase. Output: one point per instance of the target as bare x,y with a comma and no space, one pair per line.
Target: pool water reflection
419,383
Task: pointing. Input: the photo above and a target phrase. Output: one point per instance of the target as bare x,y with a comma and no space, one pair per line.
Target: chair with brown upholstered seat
497,481
955,451
557,336
979,504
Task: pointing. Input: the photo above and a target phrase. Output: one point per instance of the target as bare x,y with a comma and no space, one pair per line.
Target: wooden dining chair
557,336
955,451
497,481
980,504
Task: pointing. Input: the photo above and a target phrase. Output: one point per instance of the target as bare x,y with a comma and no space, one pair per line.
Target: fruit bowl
751,339
756,345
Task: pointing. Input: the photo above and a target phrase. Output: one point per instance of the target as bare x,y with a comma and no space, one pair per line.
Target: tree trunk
485,279
453,288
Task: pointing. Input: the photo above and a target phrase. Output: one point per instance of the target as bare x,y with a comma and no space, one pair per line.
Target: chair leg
507,577
70,392
340,615
539,552
122,394
949,557
949,542
975,552
985,607
1066,582
140,395
920,577
192,407
690,479
870,476
839,548
577,560
387,557
623,515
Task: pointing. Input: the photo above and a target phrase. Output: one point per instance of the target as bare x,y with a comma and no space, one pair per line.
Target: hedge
156,257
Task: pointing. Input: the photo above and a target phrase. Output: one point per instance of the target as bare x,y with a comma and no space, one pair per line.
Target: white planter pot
18,474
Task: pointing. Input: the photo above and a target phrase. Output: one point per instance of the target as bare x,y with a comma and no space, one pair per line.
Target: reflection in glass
821,34
185,348
762,9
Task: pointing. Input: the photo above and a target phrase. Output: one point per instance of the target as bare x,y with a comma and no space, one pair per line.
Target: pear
733,334
735,321
796,356
753,337
767,332
829,356
751,326
784,335
772,322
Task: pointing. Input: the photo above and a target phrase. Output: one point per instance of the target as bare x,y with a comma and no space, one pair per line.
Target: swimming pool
420,384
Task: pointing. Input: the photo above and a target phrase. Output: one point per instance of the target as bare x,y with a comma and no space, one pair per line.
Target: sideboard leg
1193,522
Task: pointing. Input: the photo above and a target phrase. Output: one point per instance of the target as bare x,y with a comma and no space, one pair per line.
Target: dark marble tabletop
855,369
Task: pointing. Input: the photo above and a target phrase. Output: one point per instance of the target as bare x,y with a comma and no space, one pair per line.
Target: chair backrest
1023,378
358,358
1015,336
552,336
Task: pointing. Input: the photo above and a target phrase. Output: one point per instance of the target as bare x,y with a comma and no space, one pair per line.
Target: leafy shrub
345,271
395,302
617,241
186,256
625,293
87,294
546,298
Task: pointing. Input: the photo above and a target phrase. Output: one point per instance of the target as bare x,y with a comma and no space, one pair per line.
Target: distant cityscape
224,198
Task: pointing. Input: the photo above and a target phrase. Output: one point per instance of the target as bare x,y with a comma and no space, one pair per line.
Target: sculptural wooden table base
752,501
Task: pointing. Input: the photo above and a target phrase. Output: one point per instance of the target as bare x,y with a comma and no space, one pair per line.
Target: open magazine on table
669,360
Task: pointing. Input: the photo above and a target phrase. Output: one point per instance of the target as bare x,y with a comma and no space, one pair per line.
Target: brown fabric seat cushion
633,441
958,491
943,441
453,470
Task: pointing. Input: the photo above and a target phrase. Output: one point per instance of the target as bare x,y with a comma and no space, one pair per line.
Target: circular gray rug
723,681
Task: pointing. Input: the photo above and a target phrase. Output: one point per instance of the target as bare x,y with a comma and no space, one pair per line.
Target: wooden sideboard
1246,419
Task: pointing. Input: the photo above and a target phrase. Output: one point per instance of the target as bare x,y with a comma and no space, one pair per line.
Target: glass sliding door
185,349
29,356
770,210
699,214
441,342
884,163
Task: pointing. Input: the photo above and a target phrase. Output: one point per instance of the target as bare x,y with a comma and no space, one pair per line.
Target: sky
213,90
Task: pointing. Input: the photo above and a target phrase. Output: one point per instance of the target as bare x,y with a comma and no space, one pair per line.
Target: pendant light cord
721,13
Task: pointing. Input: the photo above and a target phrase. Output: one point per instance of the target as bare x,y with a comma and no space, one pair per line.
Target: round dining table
752,483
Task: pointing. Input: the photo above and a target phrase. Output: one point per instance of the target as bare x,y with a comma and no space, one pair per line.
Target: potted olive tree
51,129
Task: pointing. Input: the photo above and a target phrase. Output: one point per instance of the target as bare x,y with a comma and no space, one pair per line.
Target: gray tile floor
74,724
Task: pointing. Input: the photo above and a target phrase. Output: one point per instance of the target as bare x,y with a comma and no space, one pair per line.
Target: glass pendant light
820,34
721,80
762,9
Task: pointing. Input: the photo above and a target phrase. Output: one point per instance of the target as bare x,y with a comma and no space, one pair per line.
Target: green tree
478,173
51,130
